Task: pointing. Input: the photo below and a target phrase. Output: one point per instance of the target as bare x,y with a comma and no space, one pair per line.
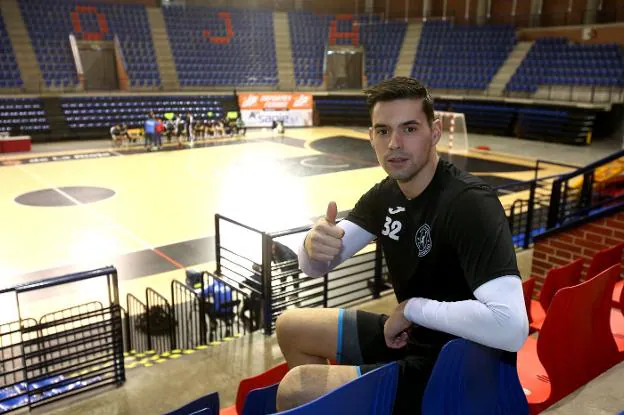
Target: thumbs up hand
324,241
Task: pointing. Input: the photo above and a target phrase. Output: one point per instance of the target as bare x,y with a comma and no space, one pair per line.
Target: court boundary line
100,216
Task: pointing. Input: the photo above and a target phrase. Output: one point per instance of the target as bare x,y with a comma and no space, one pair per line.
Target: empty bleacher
97,112
22,116
382,42
556,61
217,47
309,33
9,71
50,22
461,57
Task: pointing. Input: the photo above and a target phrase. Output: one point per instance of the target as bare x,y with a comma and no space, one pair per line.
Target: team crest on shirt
423,240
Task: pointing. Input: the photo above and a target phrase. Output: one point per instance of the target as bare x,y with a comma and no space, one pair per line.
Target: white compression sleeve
354,239
497,318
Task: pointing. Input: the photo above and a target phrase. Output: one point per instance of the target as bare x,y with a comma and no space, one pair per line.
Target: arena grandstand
196,141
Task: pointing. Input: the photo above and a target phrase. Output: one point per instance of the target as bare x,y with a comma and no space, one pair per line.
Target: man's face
403,140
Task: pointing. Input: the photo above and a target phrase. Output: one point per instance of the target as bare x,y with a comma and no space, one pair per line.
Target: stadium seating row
374,392
22,115
49,24
310,35
581,312
9,72
555,61
245,59
100,111
478,51
237,47
17,396
471,378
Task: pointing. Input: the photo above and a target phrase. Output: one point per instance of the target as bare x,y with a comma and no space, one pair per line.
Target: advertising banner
261,109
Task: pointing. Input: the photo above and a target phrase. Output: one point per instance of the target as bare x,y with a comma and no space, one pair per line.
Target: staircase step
22,46
283,49
164,57
509,67
408,50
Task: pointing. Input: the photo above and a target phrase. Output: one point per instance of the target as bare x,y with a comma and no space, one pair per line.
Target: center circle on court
64,196
325,163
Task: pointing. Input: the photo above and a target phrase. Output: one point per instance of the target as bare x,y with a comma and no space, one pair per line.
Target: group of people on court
450,258
183,128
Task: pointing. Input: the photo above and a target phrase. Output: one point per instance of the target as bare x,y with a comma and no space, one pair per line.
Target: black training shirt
443,244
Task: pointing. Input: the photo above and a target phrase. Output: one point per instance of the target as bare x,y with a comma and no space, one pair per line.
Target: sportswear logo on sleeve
423,240
396,210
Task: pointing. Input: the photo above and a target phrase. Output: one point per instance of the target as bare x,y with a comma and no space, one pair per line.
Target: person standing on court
149,130
450,259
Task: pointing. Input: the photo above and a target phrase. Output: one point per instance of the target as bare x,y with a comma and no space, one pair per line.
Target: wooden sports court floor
76,206
151,214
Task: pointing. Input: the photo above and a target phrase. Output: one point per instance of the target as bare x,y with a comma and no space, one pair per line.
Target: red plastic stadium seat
617,322
270,377
617,294
604,259
556,279
574,345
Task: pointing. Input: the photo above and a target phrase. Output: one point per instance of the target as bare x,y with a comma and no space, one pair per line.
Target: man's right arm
355,238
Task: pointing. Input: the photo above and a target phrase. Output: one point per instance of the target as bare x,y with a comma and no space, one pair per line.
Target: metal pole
202,311
267,247
377,285
553,205
529,220
325,290
217,245
147,321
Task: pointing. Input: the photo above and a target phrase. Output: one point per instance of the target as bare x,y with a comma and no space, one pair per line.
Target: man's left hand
396,327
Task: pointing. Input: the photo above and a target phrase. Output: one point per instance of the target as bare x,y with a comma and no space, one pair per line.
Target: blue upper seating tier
555,61
9,72
461,57
207,53
382,42
310,35
50,23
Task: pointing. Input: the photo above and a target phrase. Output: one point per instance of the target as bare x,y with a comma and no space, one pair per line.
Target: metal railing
580,194
206,309
274,282
553,201
66,352
161,322
189,313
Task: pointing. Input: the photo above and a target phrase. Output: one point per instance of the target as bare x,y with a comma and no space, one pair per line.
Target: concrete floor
162,388
167,386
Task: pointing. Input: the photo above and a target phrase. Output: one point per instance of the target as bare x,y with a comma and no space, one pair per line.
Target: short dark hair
400,87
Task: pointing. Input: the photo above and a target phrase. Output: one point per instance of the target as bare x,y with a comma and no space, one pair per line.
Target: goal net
454,138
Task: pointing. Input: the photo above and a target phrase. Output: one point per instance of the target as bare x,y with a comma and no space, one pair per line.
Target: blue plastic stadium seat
463,57
206,405
9,72
554,61
372,393
49,24
261,401
202,62
471,379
